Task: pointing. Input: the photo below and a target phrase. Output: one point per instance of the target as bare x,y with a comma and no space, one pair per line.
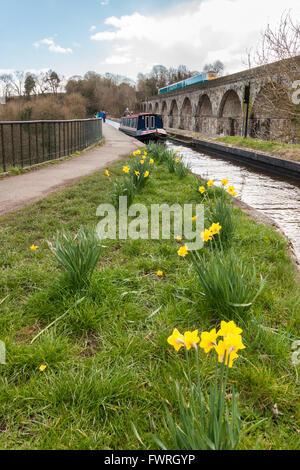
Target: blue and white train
203,77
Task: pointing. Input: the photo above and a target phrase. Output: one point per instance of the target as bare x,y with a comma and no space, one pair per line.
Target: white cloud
192,34
52,47
93,28
104,3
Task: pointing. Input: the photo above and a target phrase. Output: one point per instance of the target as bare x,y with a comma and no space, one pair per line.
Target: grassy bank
279,149
107,361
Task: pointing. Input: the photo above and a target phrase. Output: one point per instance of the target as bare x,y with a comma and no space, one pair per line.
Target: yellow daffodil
151,161
146,174
202,189
142,162
43,367
160,273
222,352
106,172
176,340
126,169
183,251
231,189
137,173
208,340
177,160
225,182
234,193
138,152
145,153
206,235
33,247
178,239
194,218
215,229
227,349
191,339
229,328
210,183
176,151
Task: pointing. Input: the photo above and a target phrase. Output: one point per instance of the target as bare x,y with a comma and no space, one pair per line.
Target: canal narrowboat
143,126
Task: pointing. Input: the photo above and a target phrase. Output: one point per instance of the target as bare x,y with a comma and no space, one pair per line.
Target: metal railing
27,143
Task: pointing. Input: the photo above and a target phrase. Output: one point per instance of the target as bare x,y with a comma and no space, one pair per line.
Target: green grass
108,361
264,145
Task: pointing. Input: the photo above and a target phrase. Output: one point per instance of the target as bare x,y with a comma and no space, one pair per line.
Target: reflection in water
274,196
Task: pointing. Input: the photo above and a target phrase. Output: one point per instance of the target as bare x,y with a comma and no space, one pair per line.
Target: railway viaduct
217,107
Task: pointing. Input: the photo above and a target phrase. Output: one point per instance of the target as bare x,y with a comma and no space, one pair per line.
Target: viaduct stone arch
217,107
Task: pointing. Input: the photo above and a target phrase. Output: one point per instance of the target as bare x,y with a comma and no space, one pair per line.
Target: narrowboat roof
140,114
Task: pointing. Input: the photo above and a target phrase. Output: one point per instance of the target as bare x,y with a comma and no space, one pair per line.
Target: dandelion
33,247
126,169
137,173
225,182
160,273
43,367
107,173
208,340
183,251
176,340
202,189
146,174
210,183
206,235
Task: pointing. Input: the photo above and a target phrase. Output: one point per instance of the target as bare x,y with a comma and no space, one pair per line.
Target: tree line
48,95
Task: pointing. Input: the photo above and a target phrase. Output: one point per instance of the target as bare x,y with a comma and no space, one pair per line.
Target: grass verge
108,361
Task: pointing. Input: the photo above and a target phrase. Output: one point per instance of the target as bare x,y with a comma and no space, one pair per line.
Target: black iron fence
26,143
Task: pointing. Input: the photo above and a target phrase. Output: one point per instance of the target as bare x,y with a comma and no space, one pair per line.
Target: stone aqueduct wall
217,108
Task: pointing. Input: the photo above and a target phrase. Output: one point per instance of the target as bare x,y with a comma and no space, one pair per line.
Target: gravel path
21,190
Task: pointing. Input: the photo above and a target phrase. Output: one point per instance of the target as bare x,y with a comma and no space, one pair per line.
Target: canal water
275,197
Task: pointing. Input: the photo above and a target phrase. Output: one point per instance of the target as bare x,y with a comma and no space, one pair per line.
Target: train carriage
201,78
143,126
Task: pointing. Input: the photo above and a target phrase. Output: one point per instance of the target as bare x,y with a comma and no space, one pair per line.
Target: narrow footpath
21,190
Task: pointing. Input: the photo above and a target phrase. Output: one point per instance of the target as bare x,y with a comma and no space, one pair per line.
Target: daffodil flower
229,328
176,340
33,247
208,340
126,169
146,174
202,189
106,172
191,339
183,251
160,273
210,183
43,367
206,235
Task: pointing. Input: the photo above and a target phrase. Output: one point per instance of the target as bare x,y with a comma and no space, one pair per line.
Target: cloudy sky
127,37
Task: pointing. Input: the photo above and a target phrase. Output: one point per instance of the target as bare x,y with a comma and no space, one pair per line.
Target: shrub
78,255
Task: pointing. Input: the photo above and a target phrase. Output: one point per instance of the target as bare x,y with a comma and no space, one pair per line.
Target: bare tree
278,58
